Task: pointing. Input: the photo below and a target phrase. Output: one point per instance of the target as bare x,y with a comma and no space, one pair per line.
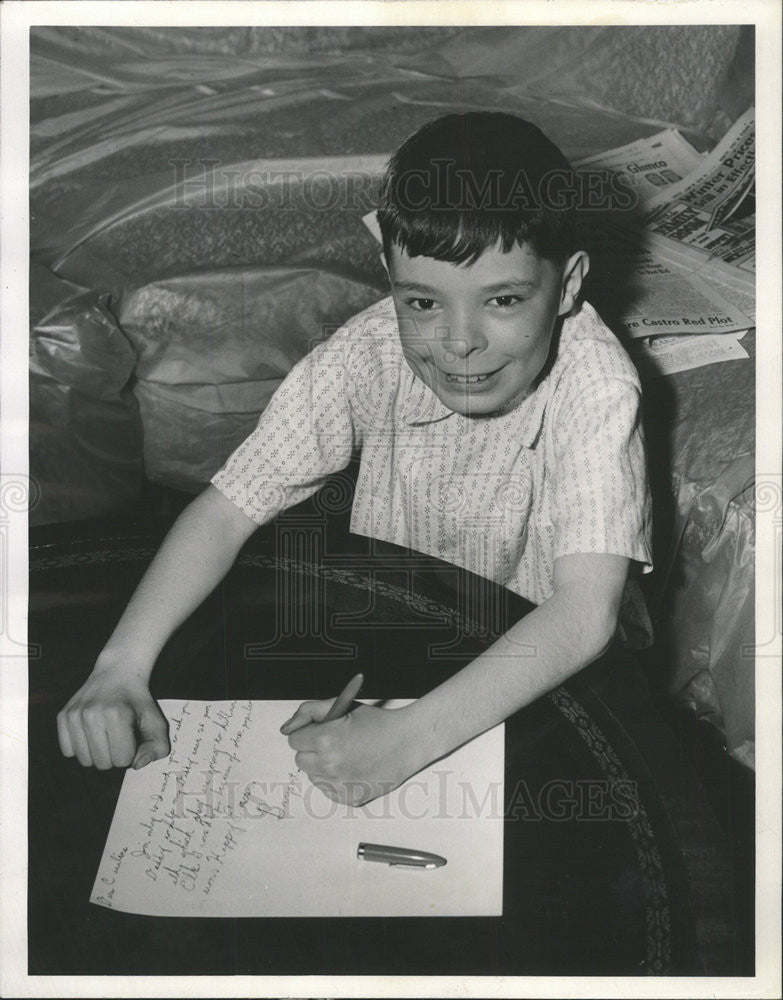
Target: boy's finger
328,789
81,749
64,736
122,745
154,733
308,711
296,721
307,761
285,726
98,743
150,750
311,738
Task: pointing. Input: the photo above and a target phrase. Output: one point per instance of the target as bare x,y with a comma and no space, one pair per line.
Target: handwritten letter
228,826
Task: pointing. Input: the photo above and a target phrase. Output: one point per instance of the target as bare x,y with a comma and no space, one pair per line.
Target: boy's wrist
123,663
428,736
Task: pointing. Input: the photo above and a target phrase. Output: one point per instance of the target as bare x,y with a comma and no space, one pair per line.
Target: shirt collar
421,405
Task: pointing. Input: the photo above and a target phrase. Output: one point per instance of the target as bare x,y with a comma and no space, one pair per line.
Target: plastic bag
85,430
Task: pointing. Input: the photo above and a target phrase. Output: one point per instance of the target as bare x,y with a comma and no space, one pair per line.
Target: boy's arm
371,751
305,434
99,724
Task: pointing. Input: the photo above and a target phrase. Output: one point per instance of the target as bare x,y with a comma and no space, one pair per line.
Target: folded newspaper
684,254
647,166
712,210
659,296
700,208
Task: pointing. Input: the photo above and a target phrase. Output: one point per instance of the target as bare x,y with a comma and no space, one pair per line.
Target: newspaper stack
686,252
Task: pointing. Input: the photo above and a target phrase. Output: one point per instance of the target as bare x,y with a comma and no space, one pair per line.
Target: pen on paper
343,701
399,856
339,707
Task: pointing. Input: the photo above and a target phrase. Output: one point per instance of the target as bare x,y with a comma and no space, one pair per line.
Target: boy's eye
504,301
421,305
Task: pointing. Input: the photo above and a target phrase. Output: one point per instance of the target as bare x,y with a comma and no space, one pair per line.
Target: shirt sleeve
304,435
600,495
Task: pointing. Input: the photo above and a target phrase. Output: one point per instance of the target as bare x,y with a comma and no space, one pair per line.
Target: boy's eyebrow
416,286
511,283
413,286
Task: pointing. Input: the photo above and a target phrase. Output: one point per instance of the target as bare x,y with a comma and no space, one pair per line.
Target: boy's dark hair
465,182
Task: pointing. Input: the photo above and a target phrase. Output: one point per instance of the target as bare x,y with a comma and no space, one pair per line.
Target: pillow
213,346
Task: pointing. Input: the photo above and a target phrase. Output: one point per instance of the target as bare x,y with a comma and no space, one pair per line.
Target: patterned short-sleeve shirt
503,496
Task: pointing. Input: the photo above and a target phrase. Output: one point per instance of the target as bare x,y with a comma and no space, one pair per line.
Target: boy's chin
468,406
476,404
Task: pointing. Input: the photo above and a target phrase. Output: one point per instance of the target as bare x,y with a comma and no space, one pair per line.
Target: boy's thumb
154,742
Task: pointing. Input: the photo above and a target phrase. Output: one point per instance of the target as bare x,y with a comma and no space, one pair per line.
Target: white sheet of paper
666,355
226,826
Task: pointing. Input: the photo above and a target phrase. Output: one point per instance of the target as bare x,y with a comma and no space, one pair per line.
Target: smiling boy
499,426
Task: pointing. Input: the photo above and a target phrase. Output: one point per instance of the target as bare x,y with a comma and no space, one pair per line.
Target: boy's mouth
469,379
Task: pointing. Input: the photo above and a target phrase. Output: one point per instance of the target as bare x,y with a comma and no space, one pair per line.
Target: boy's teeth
466,378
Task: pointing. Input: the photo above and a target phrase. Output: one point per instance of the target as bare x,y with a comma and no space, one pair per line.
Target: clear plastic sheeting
211,349
712,613
704,613
203,215
196,156
685,74
85,430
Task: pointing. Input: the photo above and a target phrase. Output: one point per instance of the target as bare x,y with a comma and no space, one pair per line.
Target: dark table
590,888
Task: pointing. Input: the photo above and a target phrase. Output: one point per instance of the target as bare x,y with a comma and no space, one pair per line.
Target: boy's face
479,334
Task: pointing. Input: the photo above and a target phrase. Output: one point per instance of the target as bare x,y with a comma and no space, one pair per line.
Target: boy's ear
574,273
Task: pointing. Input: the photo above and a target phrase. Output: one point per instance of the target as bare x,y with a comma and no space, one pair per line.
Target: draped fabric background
196,200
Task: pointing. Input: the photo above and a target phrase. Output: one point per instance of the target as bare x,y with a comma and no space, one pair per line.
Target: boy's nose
463,337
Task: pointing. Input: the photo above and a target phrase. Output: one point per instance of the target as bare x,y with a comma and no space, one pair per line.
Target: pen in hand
339,708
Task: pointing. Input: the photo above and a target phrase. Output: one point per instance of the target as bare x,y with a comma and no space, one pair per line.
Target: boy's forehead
521,265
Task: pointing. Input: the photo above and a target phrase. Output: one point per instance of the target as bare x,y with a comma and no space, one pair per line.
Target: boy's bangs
455,237
462,237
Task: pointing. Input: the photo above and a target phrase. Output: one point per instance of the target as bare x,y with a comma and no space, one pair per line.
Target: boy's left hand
356,758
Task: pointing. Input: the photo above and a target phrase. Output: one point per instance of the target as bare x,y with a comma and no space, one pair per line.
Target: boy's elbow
594,624
606,636
598,633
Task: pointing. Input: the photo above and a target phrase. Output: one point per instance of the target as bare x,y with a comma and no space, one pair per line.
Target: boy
498,420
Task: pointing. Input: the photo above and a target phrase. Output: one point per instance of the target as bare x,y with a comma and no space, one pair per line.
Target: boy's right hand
103,721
